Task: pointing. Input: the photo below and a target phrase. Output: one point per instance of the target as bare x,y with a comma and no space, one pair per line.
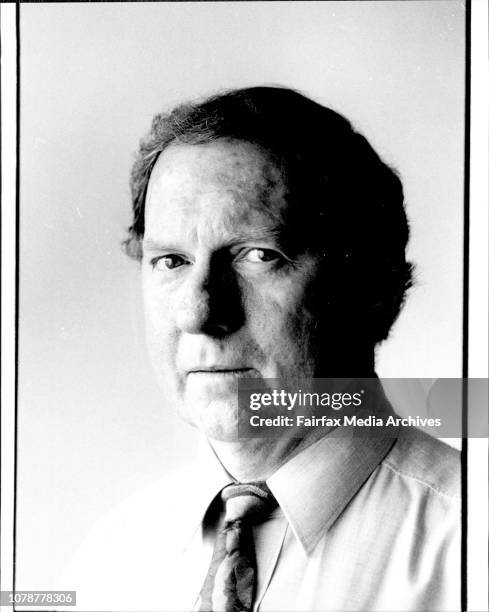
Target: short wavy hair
354,201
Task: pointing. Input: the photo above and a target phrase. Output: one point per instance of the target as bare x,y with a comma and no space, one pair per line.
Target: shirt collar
209,477
314,487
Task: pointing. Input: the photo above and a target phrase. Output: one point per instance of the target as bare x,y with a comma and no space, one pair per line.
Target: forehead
235,176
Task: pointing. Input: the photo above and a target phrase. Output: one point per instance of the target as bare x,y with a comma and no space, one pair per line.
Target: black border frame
465,311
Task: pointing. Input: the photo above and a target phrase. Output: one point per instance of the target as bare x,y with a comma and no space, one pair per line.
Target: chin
217,419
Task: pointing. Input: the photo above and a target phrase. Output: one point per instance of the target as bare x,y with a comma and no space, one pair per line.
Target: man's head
272,241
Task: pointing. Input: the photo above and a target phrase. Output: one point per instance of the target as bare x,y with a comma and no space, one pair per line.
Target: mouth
221,370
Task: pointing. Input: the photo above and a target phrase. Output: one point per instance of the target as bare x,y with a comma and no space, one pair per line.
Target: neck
255,459
258,458
342,362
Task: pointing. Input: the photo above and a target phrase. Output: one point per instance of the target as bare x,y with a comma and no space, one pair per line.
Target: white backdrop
92,423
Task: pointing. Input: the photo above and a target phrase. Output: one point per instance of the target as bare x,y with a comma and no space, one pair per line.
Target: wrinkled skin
227,280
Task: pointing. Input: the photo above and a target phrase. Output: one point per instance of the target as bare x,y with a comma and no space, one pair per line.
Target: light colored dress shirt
362,524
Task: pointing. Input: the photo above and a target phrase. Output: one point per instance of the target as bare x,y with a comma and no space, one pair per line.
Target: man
272,246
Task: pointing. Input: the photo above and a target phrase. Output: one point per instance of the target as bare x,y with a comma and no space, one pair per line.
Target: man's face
227,283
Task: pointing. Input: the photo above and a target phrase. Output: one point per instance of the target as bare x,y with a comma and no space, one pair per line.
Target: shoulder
149,513
414,495
426,463
155,498
408,519
133,544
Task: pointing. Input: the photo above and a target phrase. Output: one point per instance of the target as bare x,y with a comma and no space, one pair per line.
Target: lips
221,369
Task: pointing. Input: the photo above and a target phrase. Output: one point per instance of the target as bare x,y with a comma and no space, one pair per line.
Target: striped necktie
230,582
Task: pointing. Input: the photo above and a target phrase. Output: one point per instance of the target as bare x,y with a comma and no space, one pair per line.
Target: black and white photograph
244,297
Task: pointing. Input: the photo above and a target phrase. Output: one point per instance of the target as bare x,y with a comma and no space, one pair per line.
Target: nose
210,303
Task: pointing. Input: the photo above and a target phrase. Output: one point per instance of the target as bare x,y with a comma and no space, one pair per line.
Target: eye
168,262
261,255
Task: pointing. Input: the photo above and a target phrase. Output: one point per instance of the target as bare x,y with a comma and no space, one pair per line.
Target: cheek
160,330
281,324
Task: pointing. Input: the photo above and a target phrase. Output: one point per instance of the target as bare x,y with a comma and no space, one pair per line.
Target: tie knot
252,502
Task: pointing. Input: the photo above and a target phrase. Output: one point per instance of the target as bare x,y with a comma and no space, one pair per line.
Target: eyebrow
259,234
149,244
275,233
